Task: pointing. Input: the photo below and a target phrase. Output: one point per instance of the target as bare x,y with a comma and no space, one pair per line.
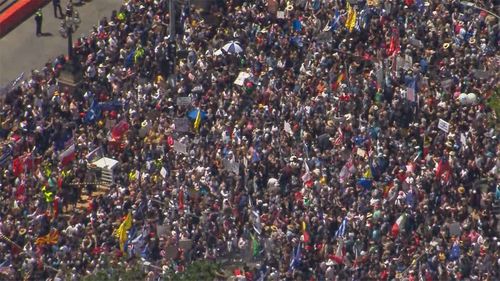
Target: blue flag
93,113
295,262
454,252
335,21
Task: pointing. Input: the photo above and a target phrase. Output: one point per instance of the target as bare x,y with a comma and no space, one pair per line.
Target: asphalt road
22,51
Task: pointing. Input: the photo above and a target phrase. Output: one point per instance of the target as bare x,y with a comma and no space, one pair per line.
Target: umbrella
193,113
232,48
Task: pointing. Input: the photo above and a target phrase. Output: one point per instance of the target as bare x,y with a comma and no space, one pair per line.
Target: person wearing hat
38,22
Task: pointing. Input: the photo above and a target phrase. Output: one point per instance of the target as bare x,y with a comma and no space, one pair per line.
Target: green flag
255,246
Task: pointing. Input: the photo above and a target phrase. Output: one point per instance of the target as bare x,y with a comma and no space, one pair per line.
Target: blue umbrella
193,113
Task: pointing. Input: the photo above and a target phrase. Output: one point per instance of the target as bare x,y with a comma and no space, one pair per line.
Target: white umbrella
232,48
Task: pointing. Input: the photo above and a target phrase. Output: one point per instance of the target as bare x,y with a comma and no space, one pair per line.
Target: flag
257,225
121,232
342,228
410,91
443,169
335,21
340,137
93,113
306,177
119,130
394,46
95,154
28,162
397,225
345,172
51,238
17,166
338,257
306,235
295,262
255,245
197,121
454,252
340,78
350,23
6,153
365,183
181,200
67,156
255,156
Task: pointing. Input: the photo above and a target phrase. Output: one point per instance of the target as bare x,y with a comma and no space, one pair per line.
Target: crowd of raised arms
302,140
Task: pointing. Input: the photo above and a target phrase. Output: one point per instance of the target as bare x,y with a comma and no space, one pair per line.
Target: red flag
28,162
181,200
119,130
393,45
67,156
17,166
443,168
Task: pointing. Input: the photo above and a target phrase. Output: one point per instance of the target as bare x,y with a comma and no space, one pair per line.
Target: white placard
163,172
280,14
183,101
180,147
361,152
288,128
443,125
241,78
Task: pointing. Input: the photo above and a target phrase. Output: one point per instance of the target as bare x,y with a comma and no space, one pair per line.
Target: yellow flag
350,22
121,233
197,121
304,226
368,173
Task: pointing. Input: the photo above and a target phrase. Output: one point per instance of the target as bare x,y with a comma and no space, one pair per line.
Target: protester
360,145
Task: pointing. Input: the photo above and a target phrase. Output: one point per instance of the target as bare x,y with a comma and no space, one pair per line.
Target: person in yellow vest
38,21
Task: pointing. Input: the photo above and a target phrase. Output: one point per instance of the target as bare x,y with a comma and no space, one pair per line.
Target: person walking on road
38,21
57,6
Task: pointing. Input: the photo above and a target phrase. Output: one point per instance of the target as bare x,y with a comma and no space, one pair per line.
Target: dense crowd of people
359,144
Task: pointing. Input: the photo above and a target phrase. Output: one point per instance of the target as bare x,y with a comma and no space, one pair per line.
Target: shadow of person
46,34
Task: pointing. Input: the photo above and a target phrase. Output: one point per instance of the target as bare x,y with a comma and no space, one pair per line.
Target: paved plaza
21,50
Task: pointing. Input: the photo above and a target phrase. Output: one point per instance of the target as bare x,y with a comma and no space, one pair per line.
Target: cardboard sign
183,101
180,148
182,124
443,125
241,78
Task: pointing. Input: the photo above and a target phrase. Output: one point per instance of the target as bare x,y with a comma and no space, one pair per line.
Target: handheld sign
443,125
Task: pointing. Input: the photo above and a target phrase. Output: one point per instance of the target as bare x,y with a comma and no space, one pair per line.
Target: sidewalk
21,50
